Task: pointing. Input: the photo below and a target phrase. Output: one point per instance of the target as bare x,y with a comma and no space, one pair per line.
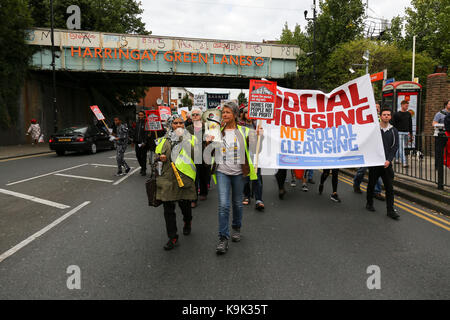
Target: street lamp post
52,37
314,40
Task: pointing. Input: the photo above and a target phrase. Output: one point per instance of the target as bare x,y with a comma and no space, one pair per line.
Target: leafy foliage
14,19
118,16
242,99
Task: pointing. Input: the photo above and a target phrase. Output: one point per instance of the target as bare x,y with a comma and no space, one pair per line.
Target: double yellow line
443,223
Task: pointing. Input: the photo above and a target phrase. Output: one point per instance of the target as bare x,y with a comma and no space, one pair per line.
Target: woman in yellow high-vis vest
230,168
176,183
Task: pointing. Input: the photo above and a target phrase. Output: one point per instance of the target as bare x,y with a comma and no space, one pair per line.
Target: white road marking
104,165
123,178
47,174
81,177
34,199
33,237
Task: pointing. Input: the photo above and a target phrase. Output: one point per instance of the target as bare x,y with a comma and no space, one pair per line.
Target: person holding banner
256,185
176,183
233,166
389,135
121,138
140,140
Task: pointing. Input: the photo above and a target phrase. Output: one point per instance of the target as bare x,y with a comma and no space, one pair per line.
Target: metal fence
425,158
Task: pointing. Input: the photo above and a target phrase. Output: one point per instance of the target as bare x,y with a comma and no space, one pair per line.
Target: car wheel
60,152
93,149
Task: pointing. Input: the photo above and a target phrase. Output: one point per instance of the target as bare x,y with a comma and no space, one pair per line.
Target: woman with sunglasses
176,183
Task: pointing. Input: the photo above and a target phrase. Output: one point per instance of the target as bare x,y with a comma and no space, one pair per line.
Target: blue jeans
403,139
359,176
225,185
257,187
309,174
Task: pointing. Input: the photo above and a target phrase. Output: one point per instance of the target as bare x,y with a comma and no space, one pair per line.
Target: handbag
150,186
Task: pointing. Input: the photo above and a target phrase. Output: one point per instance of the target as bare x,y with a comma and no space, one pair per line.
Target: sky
243,20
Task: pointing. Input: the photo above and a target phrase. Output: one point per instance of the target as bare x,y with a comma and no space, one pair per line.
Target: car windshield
72,131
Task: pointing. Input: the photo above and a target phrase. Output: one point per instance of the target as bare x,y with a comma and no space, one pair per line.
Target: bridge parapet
98,51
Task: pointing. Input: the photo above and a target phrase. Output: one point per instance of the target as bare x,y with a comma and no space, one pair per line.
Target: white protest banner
313,130
200,101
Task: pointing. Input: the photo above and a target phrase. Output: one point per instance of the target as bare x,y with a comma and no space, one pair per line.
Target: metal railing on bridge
426,158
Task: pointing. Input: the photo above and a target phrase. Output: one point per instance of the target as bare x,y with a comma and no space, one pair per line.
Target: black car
81,139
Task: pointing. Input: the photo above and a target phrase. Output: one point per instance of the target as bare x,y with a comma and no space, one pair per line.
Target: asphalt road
304,247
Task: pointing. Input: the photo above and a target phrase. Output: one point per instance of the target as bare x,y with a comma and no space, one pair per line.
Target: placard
153,120
261,102
97,112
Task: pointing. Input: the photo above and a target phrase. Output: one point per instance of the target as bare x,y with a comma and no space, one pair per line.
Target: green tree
14,56
337,22
186,101
118,16
393,34
242,99
396,60
429,21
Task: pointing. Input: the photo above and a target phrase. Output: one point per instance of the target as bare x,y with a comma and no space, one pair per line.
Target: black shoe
357,189
143,173
119,173
378,196
334,197
311,181
187,228
370,207
236,235
281,194
127,170
320,188
393,215
222,246
172,243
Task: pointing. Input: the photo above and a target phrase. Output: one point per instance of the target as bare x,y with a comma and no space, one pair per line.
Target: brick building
438,91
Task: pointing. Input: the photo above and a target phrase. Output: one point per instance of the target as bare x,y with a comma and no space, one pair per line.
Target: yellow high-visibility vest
183,162
252,174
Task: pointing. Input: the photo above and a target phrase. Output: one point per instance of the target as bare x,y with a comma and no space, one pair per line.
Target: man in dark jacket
402,121
389,134
141,142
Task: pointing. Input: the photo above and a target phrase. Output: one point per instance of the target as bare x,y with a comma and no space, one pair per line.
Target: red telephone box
394,93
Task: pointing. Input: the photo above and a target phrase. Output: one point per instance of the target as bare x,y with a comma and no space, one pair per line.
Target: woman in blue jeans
233,165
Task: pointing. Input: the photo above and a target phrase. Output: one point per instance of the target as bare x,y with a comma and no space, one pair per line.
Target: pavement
23,150
60,212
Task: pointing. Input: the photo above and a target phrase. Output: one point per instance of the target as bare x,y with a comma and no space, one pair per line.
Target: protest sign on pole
261,102
98,114
312,129
164,112
153,120
200,101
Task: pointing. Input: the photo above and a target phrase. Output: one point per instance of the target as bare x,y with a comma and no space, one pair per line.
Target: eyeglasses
177,122
195,114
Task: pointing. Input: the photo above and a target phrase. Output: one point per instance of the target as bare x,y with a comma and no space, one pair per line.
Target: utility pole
52,36
413,58
314,44
314,40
